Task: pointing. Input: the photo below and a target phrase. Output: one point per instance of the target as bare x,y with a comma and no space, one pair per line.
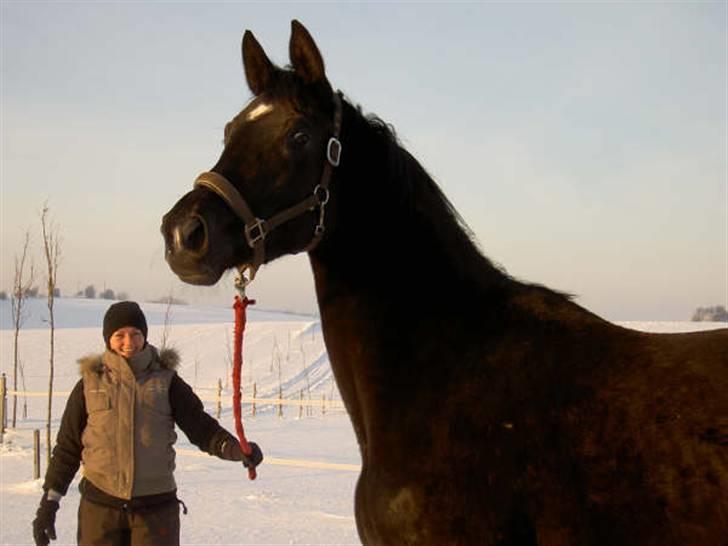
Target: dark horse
488,411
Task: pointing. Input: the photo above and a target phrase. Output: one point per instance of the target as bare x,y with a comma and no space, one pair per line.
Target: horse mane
417,182
428,209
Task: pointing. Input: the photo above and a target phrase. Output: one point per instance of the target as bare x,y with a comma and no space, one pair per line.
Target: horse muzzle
186,249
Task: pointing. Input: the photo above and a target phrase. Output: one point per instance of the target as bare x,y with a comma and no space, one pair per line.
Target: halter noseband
256,228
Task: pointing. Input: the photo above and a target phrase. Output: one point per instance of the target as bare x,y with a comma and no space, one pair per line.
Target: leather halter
256,228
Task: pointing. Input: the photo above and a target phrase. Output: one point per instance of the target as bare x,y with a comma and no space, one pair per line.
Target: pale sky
584,143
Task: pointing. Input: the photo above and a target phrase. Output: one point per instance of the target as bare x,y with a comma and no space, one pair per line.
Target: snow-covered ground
304,491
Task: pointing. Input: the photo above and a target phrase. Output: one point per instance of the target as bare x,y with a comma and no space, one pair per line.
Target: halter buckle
255,232
333,151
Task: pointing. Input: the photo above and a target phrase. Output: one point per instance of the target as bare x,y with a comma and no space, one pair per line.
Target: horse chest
415,513
396,516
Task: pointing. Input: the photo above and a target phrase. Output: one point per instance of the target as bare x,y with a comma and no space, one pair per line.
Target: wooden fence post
3,407
300,405
280,403
323,404
219,398
36,454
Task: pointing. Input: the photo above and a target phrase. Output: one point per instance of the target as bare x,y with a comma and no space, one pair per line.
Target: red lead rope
239,306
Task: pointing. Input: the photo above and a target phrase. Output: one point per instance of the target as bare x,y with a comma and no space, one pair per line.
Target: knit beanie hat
121,315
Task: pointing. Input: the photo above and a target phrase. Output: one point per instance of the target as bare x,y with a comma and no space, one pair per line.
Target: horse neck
394,234
394,266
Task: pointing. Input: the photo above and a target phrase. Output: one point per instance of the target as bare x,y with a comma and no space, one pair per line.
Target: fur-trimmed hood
168,358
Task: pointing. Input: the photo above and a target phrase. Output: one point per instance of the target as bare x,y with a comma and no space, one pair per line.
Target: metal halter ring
321,194
333,151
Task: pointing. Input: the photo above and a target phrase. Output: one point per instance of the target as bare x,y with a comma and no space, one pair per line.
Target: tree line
88,293
717,313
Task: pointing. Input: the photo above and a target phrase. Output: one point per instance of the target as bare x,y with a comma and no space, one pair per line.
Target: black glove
44,524
255,457
230,450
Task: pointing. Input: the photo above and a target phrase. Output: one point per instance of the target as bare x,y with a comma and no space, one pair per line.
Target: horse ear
305,56
258,68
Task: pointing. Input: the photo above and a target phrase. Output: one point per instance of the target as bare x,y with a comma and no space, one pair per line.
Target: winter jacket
119,421
129,434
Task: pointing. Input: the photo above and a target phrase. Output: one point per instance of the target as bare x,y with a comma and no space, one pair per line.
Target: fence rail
220,398
333,404
300,463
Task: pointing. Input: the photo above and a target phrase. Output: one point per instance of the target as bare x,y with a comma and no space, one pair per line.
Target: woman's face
127,341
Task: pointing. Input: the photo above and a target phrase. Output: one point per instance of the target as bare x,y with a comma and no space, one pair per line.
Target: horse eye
300,138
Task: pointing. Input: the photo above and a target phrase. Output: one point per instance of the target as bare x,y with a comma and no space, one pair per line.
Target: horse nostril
191,235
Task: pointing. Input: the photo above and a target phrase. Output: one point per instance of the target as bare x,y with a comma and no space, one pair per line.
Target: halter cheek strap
256,228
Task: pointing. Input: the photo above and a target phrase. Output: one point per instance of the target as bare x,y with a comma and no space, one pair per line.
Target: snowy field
305,487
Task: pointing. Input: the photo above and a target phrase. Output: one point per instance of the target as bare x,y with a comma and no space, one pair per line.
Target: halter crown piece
256,228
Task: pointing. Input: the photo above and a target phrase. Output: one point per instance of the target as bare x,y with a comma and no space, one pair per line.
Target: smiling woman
119,421
127,341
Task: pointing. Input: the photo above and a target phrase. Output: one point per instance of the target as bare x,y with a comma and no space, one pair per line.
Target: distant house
710,314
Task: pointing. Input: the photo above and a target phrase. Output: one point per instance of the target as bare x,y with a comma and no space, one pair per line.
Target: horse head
266,196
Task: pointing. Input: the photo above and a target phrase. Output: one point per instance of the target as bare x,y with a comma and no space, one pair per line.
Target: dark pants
100,525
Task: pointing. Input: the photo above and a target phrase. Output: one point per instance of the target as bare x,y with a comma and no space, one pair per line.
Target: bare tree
167,321
21,285
52,248
107,294
21,369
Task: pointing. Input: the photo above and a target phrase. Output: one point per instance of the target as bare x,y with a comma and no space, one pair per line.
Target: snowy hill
282,350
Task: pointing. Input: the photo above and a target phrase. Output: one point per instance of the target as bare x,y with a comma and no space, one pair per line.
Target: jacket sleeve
66,457
200,427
